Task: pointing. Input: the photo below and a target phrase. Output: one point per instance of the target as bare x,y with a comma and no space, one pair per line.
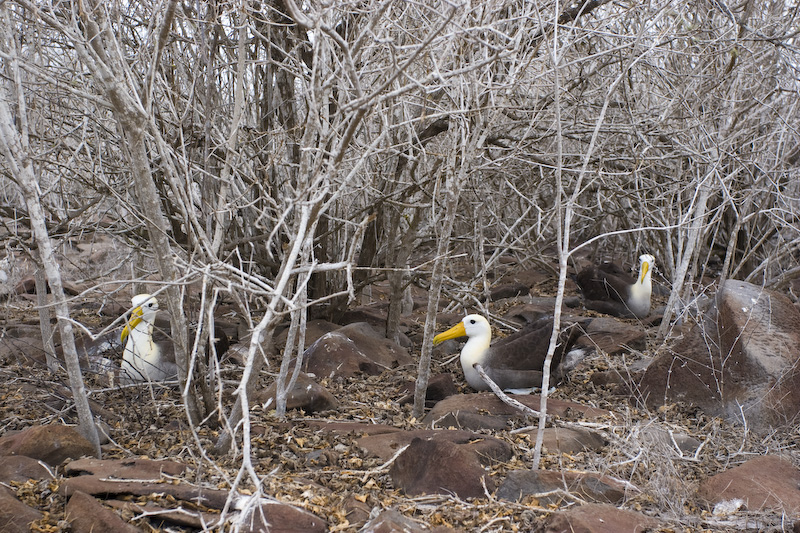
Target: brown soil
327,474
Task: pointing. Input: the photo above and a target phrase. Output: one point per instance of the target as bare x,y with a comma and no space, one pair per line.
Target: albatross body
143,358
514,362
609,289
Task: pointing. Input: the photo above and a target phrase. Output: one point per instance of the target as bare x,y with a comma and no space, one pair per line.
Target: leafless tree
16,149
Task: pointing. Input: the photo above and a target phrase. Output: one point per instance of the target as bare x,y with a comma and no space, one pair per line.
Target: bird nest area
330,475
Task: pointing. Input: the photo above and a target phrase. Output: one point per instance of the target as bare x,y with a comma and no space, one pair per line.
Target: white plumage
143,358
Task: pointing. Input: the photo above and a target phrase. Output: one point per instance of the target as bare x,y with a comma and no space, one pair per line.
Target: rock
484,410
22,349
531,311
373,314
163,518
352,428
314,330
131,468
532,277
277,517
509,290
569,440
612,336
356,511
440,467
599,518
585,485
742,359
87,515
27,285
385,352
488,449
95,485
21,468
764,483
15,516
391,521
51,444
306,394
678,443
440,386
336,356
351,350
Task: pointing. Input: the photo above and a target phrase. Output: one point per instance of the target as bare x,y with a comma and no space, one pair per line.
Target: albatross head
472,326
476,349
646,264
145,308
478,330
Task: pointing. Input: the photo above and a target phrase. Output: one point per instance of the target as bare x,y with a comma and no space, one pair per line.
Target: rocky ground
649,468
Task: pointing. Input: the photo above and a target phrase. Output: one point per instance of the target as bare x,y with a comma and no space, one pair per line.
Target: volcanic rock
437,466
763,483
741,360
51,444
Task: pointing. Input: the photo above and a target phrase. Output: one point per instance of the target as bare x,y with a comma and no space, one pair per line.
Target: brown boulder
351,350
484,410
488,449
599,518
163,518
509,290
51,444
314,330
741,360
352,428
132,468
763,483
385,352
87,515
277,517
15,516
586,485
306,394
21,468
391,521
612,336
356,511
569,440
440,467
336,356
440,386
22,349
532,310
95,485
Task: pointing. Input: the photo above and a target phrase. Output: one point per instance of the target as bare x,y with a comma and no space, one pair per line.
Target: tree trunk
21,163
45,326
451,190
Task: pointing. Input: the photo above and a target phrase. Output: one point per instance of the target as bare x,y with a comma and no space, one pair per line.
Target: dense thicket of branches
303,150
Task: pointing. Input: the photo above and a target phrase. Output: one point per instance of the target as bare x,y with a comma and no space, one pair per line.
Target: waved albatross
145,359
513,362
609,289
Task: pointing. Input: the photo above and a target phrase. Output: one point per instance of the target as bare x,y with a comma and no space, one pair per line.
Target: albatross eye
472,321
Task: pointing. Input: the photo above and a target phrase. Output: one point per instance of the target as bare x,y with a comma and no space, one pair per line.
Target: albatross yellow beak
452,333
136,317
645,269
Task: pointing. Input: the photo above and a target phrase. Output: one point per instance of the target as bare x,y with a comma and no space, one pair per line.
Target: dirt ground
327,474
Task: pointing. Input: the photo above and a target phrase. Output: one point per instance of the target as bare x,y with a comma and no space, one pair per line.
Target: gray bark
44,319
21,163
